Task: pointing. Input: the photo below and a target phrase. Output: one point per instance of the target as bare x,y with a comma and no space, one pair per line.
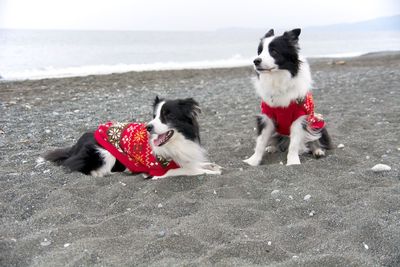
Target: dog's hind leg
316,149
265,128
274,143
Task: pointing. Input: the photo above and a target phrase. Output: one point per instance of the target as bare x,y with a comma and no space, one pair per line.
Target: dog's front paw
253,161
293,160
215,172
211,167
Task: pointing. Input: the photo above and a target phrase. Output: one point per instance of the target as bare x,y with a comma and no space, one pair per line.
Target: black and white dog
284,85
172,136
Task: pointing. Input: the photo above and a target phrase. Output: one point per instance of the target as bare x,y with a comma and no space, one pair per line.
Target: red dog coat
129,143
283,117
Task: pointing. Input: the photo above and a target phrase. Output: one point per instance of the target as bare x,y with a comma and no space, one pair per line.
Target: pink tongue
159,139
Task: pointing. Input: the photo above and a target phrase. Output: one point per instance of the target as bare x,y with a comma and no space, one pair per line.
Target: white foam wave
51,72
338,55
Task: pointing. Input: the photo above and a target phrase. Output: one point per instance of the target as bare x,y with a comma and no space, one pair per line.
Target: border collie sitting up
169,145
287,109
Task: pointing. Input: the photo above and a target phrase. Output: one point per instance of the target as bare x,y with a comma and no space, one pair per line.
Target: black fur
261,123
181,115
83,157
261,44
325,140
285,50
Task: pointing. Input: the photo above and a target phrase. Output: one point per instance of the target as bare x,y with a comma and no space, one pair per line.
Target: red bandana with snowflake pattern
129,143
285,116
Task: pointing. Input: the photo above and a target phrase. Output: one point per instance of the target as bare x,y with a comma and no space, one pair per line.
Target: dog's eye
274,52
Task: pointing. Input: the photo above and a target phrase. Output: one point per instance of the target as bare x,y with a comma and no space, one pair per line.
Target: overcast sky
187,14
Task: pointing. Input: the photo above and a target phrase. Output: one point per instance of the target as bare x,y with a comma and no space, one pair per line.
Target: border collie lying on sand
169,145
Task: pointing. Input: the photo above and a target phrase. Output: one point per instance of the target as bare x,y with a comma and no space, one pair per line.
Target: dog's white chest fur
279,88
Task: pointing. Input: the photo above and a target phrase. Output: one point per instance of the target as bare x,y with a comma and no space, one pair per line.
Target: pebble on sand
365,246
159,205
340,146
381,168
67,245
45,243
161,233
307,197
274,192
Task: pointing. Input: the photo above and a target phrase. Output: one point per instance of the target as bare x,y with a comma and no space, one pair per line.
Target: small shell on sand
381,168
340,146
274,192
365,246
307,197
161,233
45,243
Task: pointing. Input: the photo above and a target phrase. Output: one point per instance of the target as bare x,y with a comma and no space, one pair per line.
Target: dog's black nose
257,61
149,128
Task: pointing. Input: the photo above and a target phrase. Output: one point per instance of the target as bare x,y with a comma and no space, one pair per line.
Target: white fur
109,162
278,88
271,149
159,127
189,155
267,62
297,144
262,142
183,151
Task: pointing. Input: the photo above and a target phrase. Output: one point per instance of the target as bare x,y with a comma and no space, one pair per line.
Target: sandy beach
333,211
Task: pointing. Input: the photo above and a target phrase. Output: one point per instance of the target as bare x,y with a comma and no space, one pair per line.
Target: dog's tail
58,156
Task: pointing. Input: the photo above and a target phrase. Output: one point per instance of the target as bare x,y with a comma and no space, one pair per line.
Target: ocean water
28,54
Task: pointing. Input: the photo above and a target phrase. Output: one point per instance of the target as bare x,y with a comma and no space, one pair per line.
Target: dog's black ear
293,34
190,107
269,33
156,101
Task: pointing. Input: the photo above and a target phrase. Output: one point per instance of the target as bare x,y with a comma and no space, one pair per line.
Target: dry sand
333,211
